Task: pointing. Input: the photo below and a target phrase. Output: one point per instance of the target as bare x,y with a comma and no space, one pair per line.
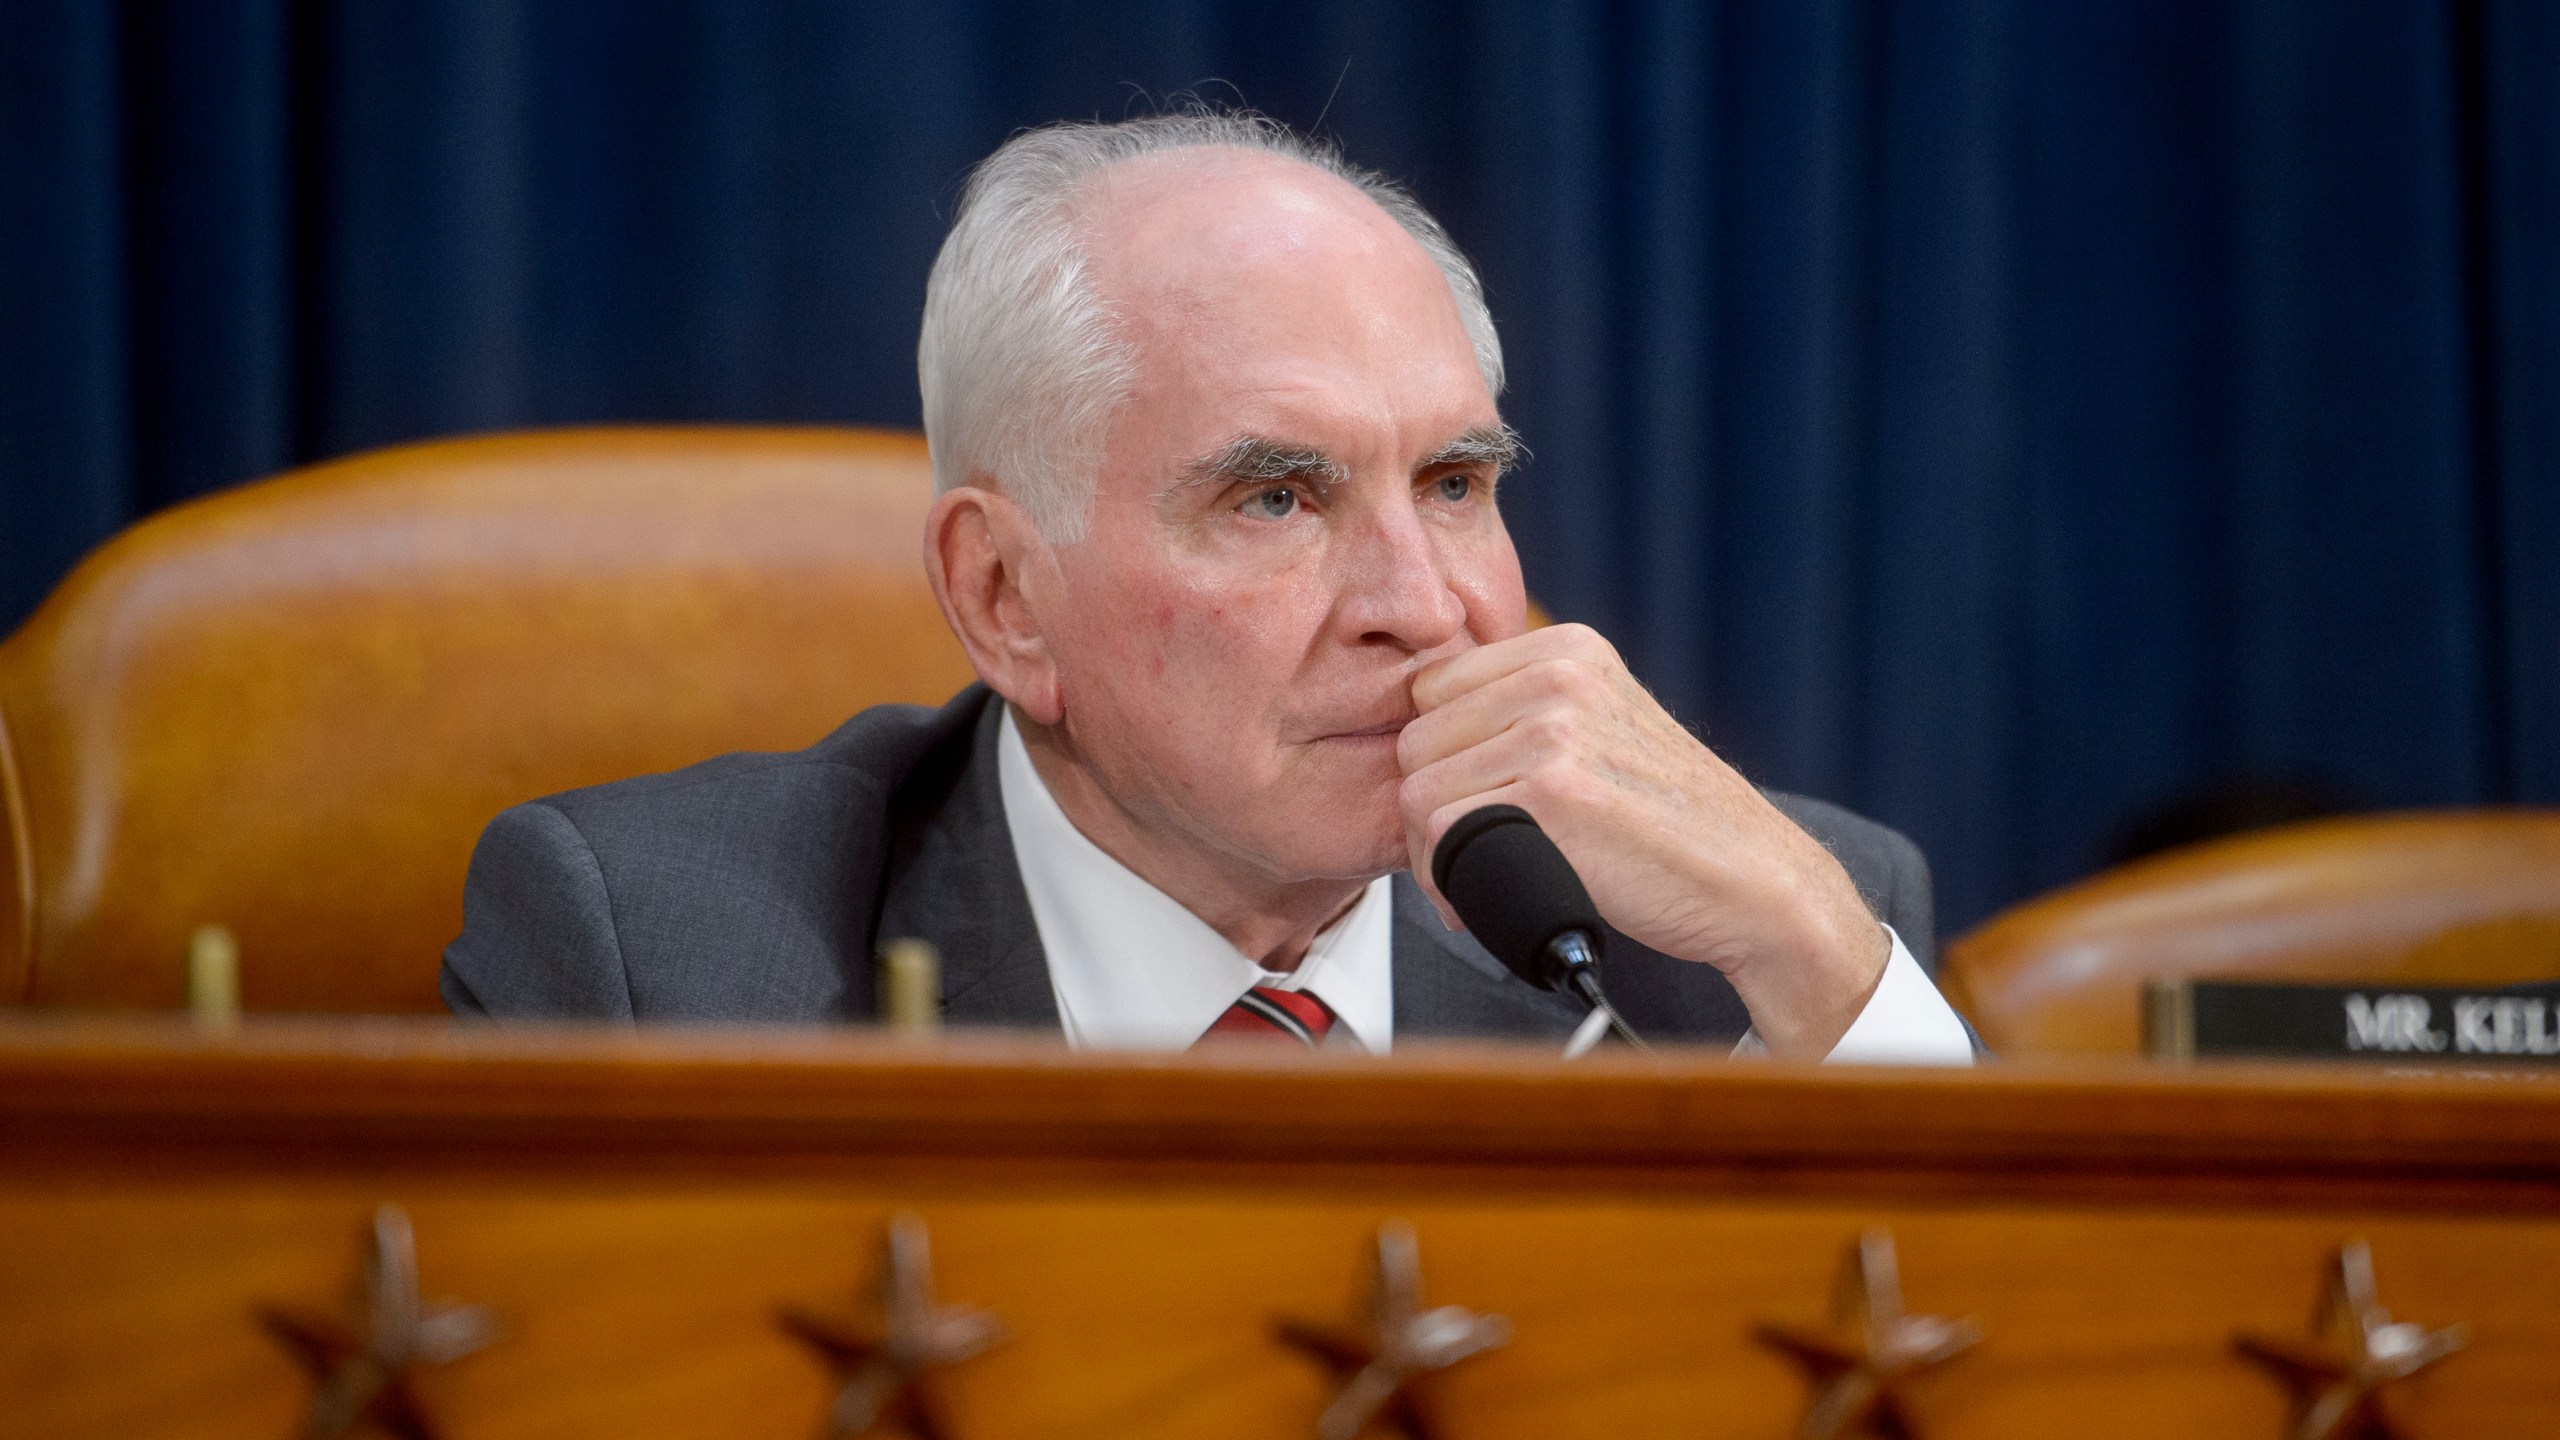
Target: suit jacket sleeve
1891,874
538,935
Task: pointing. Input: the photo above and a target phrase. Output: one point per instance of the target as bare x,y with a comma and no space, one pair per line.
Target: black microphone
1520,897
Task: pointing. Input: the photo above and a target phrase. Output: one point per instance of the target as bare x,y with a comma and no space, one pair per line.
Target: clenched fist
1679,851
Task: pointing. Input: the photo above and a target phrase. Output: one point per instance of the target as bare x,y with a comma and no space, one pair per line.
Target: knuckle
1589,645
1413,798
1550,778
1591,641
1586,685
1563,779
1550,729
1428,685
1438,821
1570,675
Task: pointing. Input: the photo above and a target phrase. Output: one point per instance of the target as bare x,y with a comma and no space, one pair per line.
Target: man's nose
1398,589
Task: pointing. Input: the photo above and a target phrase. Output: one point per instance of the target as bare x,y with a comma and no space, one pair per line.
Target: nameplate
2399,1023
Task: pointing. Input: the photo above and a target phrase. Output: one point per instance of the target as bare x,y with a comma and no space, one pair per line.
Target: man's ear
981,553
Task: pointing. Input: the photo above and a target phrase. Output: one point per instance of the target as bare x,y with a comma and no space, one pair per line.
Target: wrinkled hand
1679,851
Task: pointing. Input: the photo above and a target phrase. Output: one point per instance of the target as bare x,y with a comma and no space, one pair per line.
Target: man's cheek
1219,600
1144,634
1222,635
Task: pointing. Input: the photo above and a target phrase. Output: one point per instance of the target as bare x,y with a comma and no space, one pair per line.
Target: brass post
213,977
2169,1019
910,988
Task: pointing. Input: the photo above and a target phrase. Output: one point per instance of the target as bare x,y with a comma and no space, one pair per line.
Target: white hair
1019,362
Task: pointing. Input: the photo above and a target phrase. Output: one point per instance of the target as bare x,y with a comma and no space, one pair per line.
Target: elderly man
1213,425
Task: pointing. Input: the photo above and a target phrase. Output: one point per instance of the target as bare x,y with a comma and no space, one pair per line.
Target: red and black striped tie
1263,1013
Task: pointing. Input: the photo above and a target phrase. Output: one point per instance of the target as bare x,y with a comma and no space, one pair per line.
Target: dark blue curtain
1998,416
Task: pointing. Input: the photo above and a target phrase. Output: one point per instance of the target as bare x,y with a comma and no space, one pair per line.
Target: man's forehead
1263,297
1215,263
1185,218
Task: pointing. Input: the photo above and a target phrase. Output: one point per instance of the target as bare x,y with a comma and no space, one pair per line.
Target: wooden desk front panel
1141,1285
648,1311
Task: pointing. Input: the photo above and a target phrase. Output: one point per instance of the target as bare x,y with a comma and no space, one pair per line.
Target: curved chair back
289,708
2455,897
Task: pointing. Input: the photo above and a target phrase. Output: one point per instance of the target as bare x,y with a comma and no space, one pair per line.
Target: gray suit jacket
759,887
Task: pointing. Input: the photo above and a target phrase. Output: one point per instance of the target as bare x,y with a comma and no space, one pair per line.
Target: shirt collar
1133,969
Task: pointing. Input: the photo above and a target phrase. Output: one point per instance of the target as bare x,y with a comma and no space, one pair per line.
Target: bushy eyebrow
1259,459
1496,446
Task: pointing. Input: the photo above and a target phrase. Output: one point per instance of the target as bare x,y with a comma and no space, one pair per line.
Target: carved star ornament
1400,1345
1860,1369
2356,1352
886,1372
362,1363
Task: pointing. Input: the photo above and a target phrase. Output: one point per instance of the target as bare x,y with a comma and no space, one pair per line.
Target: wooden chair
2450,897
290,708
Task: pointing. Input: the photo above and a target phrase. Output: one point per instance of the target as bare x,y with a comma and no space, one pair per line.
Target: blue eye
1456,487
1274,504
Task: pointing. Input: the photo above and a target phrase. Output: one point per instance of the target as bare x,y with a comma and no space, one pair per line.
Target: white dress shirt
1132,969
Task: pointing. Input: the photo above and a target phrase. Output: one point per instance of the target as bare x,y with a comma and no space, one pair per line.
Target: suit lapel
952,881
1448,985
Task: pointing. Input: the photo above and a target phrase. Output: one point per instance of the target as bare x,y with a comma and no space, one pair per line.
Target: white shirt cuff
1905,1022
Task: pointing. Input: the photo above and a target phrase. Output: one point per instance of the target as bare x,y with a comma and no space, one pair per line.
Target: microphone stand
1572,955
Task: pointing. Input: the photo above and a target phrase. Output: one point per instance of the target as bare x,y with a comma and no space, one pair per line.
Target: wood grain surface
290,708
2453,897
640,1205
